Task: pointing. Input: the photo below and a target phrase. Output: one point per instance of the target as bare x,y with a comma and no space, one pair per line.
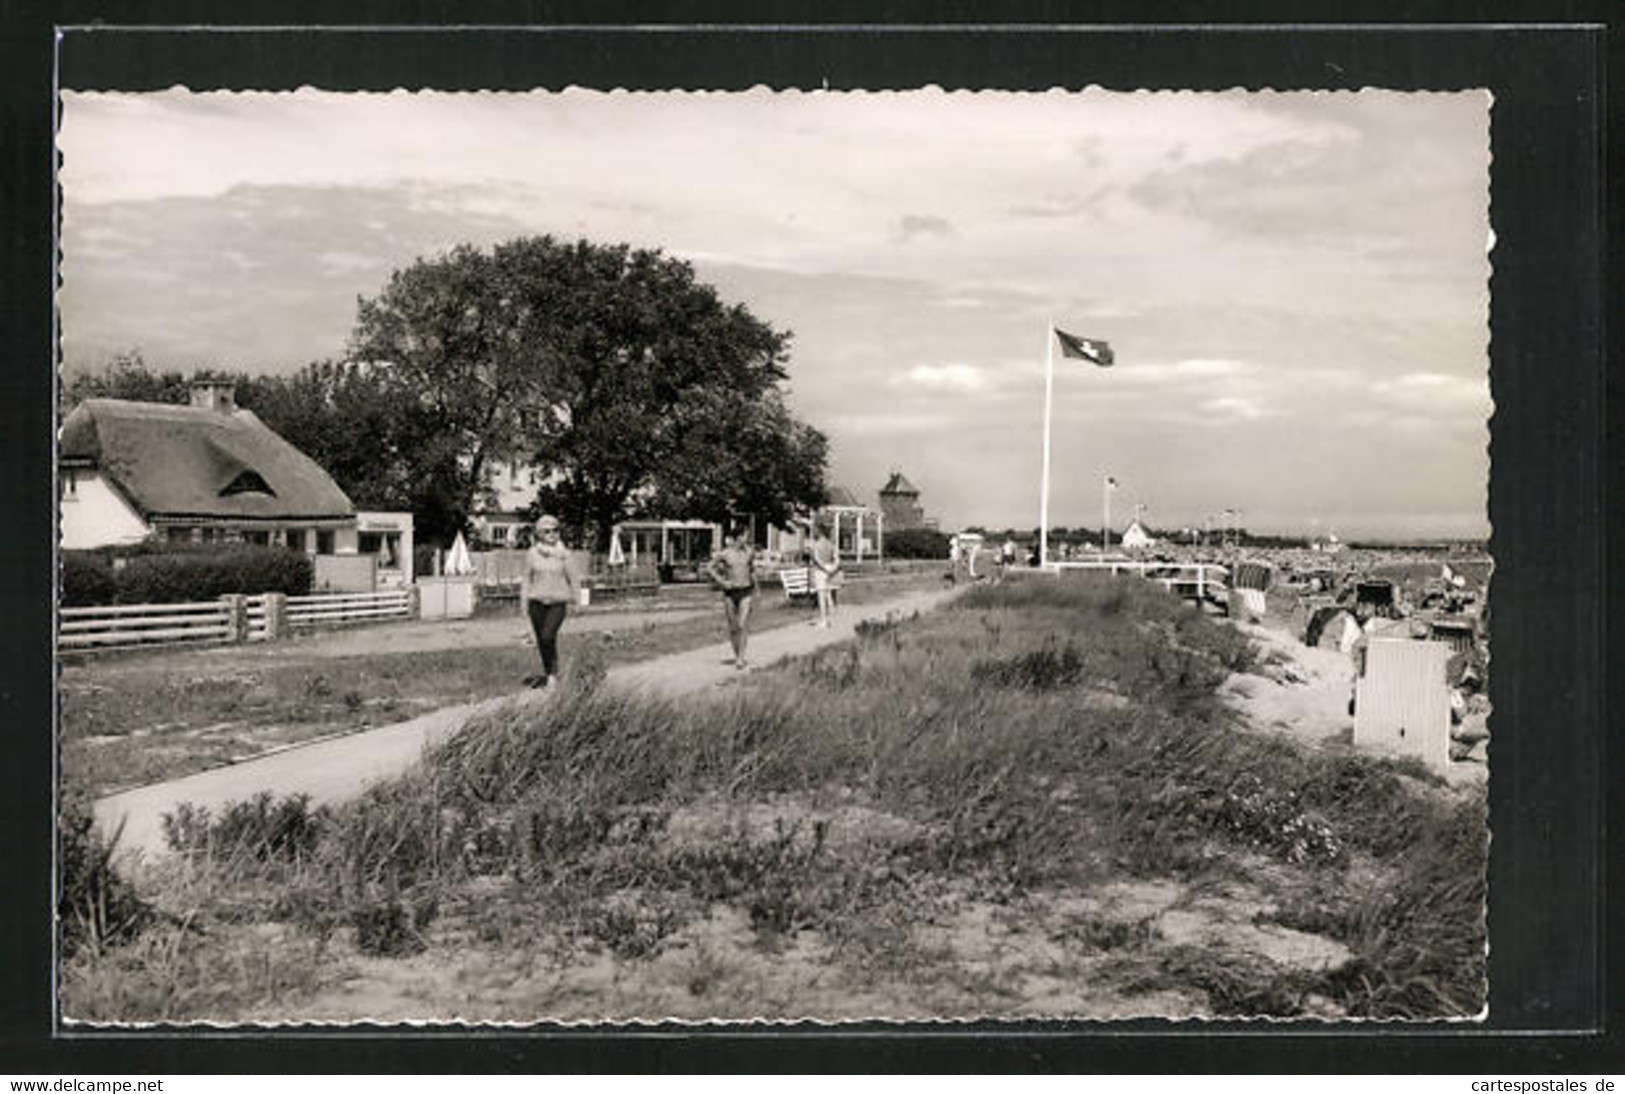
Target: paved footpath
340,767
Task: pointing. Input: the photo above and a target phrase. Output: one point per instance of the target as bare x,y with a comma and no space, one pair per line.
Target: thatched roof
182,461
842,498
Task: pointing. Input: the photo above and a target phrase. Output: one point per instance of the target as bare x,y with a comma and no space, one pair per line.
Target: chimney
219,396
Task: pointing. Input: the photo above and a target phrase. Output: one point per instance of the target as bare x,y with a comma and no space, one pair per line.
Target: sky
1295,285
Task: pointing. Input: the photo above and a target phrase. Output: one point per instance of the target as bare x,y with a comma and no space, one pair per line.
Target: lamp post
1106,489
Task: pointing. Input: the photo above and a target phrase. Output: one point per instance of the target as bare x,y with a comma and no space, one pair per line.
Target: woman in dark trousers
551,583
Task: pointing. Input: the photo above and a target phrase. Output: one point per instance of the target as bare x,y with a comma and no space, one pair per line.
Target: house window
179,535
259,539
324,542
247,482
295,538
70,486
499,534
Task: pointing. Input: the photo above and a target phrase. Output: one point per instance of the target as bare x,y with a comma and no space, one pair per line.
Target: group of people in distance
553,577
964,554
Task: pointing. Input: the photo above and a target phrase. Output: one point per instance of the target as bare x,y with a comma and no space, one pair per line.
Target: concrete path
340,767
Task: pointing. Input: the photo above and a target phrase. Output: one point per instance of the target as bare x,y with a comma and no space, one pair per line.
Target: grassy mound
1034,739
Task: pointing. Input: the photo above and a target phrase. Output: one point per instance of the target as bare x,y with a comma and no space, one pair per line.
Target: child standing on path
824,565
551,582
734,570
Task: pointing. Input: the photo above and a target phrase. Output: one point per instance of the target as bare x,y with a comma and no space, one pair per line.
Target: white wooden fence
229,619
326,609
1193,580
123,625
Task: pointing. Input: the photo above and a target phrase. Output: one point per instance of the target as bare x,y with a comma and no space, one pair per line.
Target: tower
900,504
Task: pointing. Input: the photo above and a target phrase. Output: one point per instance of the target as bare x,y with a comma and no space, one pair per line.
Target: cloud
1420,389
956,378
1059,206
913,225
1237,408
340,263
1156,374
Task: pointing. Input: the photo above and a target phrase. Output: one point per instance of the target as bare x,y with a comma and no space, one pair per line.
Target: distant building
1328,545
1135,535
208,472
856,529
900,504
505,524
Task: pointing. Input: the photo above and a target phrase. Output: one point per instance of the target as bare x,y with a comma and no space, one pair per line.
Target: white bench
797,582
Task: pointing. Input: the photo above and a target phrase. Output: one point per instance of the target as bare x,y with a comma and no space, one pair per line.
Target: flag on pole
1086,349
1111,483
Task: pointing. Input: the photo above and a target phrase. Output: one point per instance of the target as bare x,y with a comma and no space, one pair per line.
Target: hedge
206,573
87,579
916,543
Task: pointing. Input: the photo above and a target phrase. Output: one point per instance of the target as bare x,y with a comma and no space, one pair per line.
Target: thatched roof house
205,471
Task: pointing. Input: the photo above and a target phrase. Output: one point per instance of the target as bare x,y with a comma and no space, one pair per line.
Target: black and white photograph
599,556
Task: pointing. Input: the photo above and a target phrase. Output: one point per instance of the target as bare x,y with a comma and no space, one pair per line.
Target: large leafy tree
605,367
366,430
454,340
739,458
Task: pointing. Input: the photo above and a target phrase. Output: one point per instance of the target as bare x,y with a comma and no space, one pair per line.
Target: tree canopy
613,371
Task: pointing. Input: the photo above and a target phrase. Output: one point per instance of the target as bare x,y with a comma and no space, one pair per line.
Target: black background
1555,499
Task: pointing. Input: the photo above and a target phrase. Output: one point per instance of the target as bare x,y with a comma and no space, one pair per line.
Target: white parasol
616,557
458,561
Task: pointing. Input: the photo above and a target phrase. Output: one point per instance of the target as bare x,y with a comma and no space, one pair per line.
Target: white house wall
96,515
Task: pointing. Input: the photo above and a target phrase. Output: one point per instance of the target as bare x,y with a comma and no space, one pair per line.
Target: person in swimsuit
733,569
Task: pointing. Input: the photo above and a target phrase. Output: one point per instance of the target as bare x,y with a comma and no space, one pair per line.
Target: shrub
203,574
388,928
96,908
264,828
916,543
87,579
1039,670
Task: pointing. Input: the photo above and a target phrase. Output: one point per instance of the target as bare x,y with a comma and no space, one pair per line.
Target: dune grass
1032,740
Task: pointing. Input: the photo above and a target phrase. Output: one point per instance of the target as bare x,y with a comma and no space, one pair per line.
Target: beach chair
797,582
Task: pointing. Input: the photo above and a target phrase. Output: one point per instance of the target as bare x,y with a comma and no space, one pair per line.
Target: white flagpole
1049,391
1106,506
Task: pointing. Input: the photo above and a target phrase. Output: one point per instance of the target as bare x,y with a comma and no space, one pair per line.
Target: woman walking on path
551,583
824,565
734,570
